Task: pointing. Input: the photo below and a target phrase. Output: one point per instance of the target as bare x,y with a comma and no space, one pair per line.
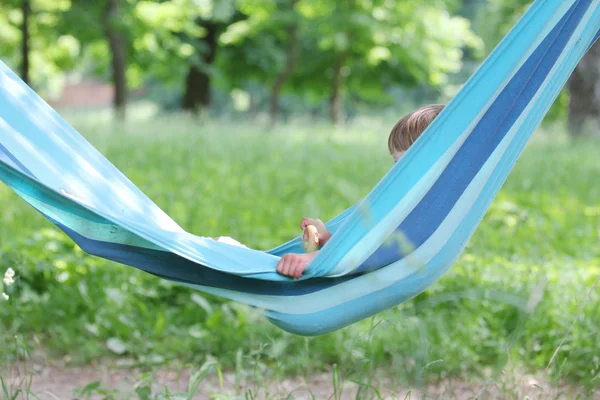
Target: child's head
410,127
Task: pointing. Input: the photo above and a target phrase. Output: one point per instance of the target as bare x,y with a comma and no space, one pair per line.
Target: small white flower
5,296
9,277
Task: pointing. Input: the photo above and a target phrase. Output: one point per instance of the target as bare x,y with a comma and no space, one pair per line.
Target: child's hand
293,265
324,235
317,223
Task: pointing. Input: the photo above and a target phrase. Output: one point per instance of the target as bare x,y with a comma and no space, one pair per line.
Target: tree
198,80
102,28
290,62
28,32
319,49
121,41
262,47
117,45
213,19
583,87
26,11
180,38
368,46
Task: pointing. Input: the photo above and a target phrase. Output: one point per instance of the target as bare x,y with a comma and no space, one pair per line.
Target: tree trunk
254,106
197,84
584,91
335,110
290,63
119,62
26,10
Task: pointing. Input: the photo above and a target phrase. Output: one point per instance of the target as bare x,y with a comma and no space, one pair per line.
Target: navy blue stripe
427,216
18,163
595,39
176,268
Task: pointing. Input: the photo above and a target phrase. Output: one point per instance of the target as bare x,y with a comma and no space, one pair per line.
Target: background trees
323,56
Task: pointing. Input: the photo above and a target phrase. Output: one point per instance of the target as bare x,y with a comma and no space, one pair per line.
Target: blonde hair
410,127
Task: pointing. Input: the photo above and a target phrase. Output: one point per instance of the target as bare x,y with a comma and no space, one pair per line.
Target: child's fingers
298,271
310,221
281,265
300,268
287,268
294,272
291,266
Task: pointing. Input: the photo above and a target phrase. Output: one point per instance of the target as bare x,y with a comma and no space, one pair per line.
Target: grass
520,292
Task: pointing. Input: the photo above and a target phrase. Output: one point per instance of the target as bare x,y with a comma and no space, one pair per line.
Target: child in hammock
402,136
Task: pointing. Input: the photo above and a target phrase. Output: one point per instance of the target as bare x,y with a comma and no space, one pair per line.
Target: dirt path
56,381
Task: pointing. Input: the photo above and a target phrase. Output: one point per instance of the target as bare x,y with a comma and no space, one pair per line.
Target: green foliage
161,38
514,293
87,21
168,37
254,48
390,42
51,52
374,45
377,44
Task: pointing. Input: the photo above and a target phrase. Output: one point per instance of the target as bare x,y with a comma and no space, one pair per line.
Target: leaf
90,387
199,376
223,10
116,345
201,301
159,325
143,392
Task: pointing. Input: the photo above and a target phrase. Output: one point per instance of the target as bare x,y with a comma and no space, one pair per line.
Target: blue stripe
173,267
431,211
595,39
18,163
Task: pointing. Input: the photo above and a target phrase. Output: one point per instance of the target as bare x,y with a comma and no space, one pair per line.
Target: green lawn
517,292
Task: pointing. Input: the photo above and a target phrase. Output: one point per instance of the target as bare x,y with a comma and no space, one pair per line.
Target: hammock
389,247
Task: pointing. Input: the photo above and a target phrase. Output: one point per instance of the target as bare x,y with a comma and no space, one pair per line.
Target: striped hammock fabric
393,244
